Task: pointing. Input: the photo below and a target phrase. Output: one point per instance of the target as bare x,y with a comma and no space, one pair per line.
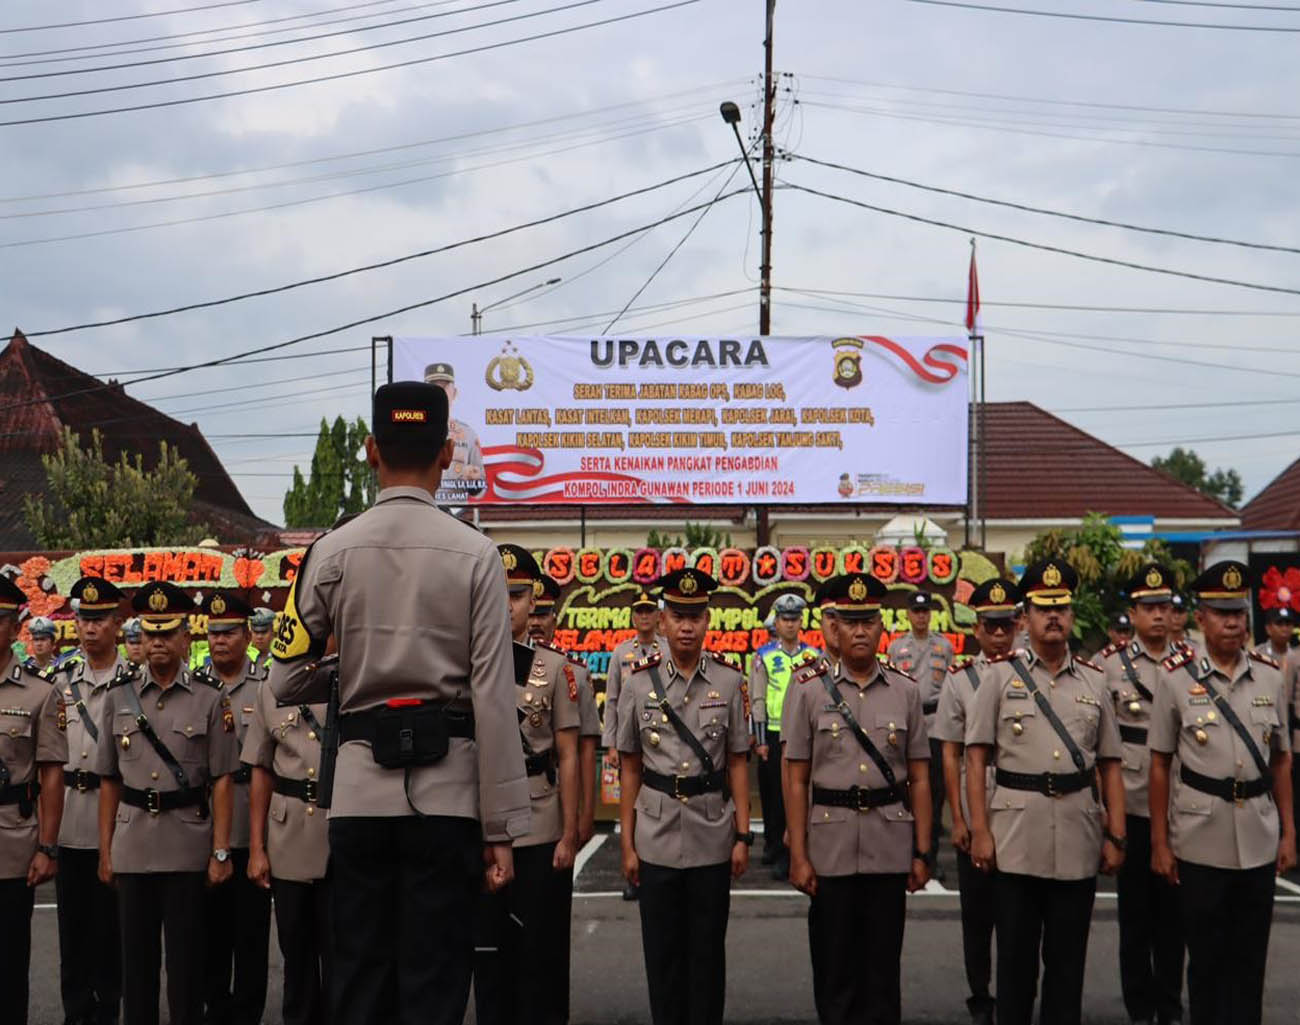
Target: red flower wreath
1281,588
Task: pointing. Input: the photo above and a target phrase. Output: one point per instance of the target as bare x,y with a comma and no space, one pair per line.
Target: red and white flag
972,295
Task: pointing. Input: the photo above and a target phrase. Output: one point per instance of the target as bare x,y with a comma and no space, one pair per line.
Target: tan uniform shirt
1037,835
700,830
627,652
79,828
842,841
31,735
1291,678
547,703
1133,710
280,739
417,601
1204,829
927,659
243,694
194,722
588,718
954,711
467,454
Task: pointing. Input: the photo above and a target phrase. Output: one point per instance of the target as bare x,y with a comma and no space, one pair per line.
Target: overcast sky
531,129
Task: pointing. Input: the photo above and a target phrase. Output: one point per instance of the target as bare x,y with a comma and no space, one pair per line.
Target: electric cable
1103,18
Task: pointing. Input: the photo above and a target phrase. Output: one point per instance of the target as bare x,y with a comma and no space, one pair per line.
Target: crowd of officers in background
177,808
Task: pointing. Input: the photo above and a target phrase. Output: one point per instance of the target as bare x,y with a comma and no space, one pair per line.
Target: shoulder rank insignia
576,659
1006,656
1178,659
653,659
885,663
1107,651
812,671
725,659
128,672
1091,665
960,663
552,646
205,675
1268,660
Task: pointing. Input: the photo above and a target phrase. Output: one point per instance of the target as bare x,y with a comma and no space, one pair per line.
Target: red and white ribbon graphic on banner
514,475
933,367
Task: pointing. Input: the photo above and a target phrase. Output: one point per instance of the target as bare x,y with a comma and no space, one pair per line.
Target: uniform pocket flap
279,810
823,815
196,728
650,802
1004,798
1193,802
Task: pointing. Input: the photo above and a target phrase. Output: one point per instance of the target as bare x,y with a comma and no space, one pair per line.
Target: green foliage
1185,465
698,535
339,483
1096,552
95,504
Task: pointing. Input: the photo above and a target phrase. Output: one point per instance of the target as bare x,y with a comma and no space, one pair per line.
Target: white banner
695,420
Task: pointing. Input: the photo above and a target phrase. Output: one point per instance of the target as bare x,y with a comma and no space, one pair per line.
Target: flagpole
975,529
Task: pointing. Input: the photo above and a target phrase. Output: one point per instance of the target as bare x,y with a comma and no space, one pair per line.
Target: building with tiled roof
1277,506
40,395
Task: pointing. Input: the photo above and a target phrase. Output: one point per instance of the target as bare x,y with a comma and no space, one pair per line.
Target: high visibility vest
777,662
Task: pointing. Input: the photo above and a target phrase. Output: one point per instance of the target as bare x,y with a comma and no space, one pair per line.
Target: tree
698,535
1104,565
1185,465
340,483
95,504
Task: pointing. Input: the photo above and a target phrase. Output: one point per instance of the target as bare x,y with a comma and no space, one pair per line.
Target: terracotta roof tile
1277,507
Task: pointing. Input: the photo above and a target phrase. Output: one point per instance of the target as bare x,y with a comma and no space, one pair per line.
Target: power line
1102,17
1044,247
337,76
1207,439
1040,210
1225,6
128,17
1148,407
242,362
320,279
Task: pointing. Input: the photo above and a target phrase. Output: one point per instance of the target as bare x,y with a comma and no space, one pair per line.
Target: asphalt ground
768,971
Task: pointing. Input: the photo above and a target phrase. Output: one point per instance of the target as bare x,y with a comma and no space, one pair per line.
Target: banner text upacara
705,352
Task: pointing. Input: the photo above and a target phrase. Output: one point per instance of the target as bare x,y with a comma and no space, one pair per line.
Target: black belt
1052,784
21,794
81,780
361,725
1229,789
541,764
930,707
1133,734
155,801
243,774
860,798
303,789
683,787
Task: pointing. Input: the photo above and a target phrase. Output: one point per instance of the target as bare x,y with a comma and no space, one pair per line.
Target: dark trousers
401,918
1150,933
238,917
16,902
684,936
302,925
977,920
771,798
90,962
855,931
522,945
1227,915
938,790
155,907
1048,915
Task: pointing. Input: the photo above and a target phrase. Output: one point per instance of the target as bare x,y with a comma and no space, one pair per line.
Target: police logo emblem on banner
509,371
848,362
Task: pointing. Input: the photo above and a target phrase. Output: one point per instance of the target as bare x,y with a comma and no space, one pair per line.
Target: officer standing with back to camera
683,726
33,748
521,971
165,754
769,680
238,916
1224,827
1150,923
90,961
1046,720
855,741
994,604
429,786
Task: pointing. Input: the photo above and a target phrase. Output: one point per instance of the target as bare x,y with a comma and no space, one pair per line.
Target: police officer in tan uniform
994,604
1150,925
33,748
165,754
1047,721
683,726
1225,826
429,785
90,962
521,976
1279,626
856,736
467,455
289,850
133,641
926,656
239,915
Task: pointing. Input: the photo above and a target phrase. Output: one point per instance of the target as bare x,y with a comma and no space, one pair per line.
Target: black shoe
630,892
984,1016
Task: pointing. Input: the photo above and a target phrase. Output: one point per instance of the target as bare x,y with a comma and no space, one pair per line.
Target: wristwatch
1118,842
923,856
49,850
746,838
222,855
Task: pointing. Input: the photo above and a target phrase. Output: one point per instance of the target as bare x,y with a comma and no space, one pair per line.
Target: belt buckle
153,801
859,798
79,781
1239,792
1051,785
677,789
309,791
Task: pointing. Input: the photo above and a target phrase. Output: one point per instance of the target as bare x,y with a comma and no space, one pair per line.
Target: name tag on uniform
16,711
1013,694
1262,702
830,708
1086,699
713,704
1199,701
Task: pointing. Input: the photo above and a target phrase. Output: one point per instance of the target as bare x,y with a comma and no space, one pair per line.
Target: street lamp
731,115
476,313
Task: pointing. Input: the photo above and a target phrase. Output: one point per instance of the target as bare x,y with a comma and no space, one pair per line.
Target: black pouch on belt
409,733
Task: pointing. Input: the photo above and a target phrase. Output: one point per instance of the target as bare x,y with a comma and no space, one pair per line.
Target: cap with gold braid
1152,584
643,600
162,607
225,611
520,566
686,590
823,598
856,595
1224,586
12,597
995,599
96,597
1048,583
546,594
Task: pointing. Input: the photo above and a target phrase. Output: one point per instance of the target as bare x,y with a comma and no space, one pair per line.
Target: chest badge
1017,727
654,738
1202,737
1135,706
126,743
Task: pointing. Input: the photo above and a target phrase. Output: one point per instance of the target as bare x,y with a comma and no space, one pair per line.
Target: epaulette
901,672
1006,656
1091,665
552,646
129,671
960,663
66,666
203,675
1107,651
812,671
808,656
576,659
1268,660
1178,660
725,659
653,659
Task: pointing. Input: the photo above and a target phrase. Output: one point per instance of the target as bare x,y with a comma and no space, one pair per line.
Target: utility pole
769,115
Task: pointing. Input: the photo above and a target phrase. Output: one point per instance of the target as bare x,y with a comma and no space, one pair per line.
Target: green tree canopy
339,483
95,504
1185,465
